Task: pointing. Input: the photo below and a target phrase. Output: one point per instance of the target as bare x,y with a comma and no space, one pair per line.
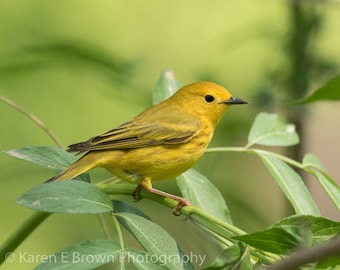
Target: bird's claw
176,211
136,194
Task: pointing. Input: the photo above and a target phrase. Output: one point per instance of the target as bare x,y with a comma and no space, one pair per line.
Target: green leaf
300,231
319,228
310,160
330,91
271,130
166,86
154,239
143,260
329,185
76,197
235,257
278,239
199,190
83,256
50,157
291,185
146,261
120,206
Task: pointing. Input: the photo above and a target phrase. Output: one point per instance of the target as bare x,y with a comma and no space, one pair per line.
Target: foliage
330,91
159,250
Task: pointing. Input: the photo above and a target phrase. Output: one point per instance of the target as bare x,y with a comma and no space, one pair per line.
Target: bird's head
206,100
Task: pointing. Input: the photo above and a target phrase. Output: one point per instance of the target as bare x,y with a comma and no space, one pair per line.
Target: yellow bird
160,143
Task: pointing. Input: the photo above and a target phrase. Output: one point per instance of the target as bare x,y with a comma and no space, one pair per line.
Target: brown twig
305,256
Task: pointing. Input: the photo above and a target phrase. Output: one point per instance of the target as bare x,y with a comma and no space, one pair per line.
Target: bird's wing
139,133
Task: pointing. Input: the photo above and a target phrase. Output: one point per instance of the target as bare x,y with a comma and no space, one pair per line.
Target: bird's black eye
209,98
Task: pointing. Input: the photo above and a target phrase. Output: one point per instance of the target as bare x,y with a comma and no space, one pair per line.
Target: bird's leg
181,201
146,184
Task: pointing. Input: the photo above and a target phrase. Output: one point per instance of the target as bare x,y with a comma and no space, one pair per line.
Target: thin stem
120,238
17,237
227,231
287,160
224,241
119,231
215,225
258,151
34,118
226,149
104,226
220,226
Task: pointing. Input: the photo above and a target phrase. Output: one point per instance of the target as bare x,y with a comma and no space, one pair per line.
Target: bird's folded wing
136,134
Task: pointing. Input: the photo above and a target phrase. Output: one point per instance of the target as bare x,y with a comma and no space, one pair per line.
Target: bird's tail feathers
71,172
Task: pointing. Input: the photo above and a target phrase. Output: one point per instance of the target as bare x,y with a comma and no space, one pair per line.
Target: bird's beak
234,100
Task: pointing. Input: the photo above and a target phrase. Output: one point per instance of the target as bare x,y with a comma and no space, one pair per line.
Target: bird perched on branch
160,143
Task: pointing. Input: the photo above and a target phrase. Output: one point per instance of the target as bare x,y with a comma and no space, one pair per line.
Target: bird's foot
181,203
146,184
136,193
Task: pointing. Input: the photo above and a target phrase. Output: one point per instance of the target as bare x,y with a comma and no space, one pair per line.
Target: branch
302,257
211,223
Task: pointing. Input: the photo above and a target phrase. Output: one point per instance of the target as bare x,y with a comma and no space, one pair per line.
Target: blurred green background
84,67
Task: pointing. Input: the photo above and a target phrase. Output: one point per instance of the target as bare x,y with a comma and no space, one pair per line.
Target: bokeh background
84,67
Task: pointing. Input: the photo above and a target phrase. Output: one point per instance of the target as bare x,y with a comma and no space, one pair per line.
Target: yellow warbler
160,143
